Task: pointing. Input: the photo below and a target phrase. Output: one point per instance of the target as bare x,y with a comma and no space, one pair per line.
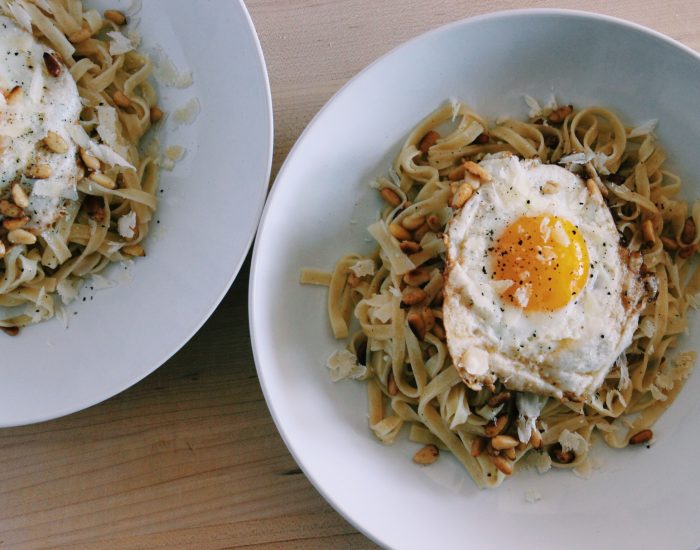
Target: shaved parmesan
543,463
119,44
380,307
62,316
103,152
572,441
644,128
126,225
535,109
68,291
532,496
461,414
577,158
362,268
188,113
343,364
167,74
99,282
529,406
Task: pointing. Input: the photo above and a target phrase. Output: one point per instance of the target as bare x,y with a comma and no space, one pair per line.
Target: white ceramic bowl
207,216
318,210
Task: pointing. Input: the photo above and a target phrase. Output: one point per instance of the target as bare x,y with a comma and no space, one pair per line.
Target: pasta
117,182
400,350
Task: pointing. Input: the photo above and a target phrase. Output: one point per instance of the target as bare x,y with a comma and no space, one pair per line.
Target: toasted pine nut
687,251
427,455
409,247
416,277
116,17
10,331
39,171
669,244
10,210
641,437
353,280
475,170
502,464
439,332
510,453
434,223
594,190
134,250
391,386
120,99
155,114
419,233
103,180
501,442
15,223
492,429
499,398
414,296
648,231
428,318
428,141
80,36
412,222
535,439
92,163
478,446
20,236
399,232
689,231
56,143
457,173
2,249
415,321
558,115
549,188
15,95
461,196
390,196
52,64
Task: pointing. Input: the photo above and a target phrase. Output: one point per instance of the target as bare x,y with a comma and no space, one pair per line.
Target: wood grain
189,457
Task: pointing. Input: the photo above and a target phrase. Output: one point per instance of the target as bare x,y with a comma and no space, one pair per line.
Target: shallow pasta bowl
318,211
209,206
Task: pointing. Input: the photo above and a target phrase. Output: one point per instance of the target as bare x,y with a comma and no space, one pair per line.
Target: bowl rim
336,504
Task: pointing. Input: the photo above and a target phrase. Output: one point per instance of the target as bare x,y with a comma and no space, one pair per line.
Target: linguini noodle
118,105
400,350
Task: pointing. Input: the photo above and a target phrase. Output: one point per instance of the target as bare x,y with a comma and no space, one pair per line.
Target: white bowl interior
208,212
318,211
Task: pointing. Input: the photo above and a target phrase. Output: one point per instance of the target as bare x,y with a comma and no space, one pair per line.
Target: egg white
566,351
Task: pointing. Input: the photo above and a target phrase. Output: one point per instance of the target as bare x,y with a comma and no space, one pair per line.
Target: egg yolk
547,260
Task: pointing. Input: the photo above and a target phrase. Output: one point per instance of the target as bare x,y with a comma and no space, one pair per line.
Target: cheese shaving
362,268
343,364
126,225
119,44
188,113
572,441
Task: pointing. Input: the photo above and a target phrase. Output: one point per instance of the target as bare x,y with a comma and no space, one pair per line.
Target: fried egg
32,104
539,294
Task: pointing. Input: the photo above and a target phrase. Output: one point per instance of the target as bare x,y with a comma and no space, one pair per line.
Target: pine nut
439,332
415,321
399,232
412,222
134,250
390,196
414,296
510,454
419,233
103,180
478,446
457,173
416,277
56,143
648,231
120,99
434,223
20,236
687,251
80,36
461,196
409,247
116,17
502,464
428,318
535,439
494,428
562,456
15,95
475,170
669,244
428,141
502,442
594,190
15,223
427,455
39,171
10,331
353,280
52,65
689,231
10,210
560,114
499,398
155,114
92,163
641,437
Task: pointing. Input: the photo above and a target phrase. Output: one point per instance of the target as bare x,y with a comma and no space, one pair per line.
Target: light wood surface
190,457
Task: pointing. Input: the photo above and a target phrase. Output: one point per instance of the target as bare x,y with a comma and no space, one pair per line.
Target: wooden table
190,457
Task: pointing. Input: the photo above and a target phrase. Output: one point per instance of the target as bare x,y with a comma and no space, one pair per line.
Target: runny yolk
547,260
